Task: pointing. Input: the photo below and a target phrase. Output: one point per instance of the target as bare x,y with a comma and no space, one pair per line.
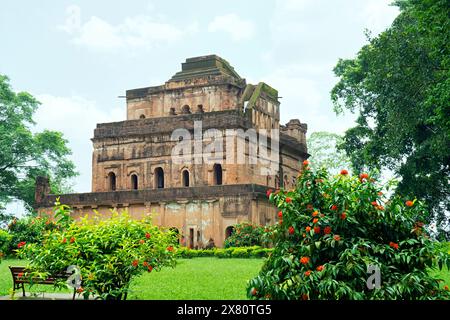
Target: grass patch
198,278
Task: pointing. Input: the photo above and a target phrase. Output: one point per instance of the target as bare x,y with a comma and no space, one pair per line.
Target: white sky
76,57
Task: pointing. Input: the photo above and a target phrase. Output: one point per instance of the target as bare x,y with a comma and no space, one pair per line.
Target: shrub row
235,252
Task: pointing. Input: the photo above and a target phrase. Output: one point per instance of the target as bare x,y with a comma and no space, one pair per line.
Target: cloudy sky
77,57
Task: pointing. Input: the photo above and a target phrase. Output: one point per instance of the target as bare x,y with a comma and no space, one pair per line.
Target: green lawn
198,278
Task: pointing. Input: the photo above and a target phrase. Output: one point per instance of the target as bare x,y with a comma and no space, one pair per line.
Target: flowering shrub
246,234
333,229
108,251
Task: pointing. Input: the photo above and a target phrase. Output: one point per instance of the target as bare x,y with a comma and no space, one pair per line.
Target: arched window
112,181
217,170
185,109
185,178
159,178
229,231
134,181
142,116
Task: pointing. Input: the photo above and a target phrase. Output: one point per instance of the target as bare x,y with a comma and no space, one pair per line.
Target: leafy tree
332,229
399,84
322,146
24,155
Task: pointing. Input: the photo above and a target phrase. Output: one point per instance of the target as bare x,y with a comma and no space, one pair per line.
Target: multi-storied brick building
134,166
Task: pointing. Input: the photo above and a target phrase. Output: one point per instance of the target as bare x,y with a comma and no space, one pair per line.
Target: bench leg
23,289
74,292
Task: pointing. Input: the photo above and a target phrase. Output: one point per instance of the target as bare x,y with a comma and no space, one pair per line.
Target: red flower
409,203
145,264
334,207
305,163
327,230
393,245
291,230
170,248
80,290
374,203
147,235
319,268
343,215
309,206
308,273
21,244
150,268
315,220
280,214
315,214
72,240
337,237
381,208
380,193
304,260
344,172
305,296
254,292
20,275
446,287
135,263
317,230
308,229
363,176
64,240
141,241
269,192
288,200
281,221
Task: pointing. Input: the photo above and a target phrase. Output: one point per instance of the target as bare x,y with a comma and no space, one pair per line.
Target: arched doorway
134,181
112,181
185,178
229,232
217,171
159,178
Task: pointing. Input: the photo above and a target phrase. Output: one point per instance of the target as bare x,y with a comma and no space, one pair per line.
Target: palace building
134,166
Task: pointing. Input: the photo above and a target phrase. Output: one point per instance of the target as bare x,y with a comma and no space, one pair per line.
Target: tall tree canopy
322,146
24,155
399,84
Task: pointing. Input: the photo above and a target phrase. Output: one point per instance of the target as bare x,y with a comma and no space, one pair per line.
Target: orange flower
20,275
319,268
409,203
150,268
308,229
304,235
315,214
170,248
141,241
304,260
344,172
315,220
281,221
343,215
288,200
305,163
363,176
280,214
291,230
135,263
446,287
145,264
254,292
327,230
380,193
381,208
72,240
269,192
80,290
308,273
374,203
334,207
305,296
317,230
337,237
64,240
309,206
393,245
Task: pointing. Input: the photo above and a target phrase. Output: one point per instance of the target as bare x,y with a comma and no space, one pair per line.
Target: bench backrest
19,272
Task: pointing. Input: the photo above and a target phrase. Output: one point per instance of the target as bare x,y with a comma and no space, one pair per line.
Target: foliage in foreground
332,228
108,252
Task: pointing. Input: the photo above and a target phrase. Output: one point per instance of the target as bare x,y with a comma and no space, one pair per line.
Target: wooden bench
19,279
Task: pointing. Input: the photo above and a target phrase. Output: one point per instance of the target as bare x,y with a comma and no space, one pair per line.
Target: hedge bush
238,252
